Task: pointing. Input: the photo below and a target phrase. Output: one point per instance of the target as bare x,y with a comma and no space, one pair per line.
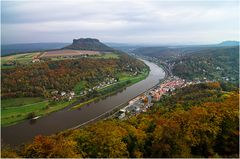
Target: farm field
68,53
27,58
8,61
95,56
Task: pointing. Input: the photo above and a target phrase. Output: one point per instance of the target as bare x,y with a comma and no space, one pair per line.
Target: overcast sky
132,21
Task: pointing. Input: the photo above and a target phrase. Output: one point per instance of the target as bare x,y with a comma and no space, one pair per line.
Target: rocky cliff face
88,44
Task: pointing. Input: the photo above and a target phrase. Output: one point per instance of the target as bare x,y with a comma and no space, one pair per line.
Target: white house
72,93
35,60
63,93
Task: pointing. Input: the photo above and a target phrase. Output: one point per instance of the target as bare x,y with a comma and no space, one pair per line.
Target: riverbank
14,115
11,114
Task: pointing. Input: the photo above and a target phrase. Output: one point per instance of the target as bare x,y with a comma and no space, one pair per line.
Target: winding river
66,119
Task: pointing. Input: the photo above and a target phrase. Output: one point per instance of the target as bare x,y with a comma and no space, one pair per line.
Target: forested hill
88,44
221,64
39,79
199,63
198,121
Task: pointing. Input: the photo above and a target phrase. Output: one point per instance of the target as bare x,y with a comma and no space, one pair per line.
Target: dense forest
199,62
198,121
39,79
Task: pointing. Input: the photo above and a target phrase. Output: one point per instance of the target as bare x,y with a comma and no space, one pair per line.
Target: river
66,119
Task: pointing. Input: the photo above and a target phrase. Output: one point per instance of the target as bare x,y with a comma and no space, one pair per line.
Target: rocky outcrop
88,44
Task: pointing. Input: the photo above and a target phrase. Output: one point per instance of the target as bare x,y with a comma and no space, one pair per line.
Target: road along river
66,119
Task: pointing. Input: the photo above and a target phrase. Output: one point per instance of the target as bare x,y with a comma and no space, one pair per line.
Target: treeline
40,78
198,121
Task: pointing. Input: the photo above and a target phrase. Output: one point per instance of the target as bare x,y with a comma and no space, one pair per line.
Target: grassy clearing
110,56
106,56
17,102
14,114
80,87
19,57
126,76
86,102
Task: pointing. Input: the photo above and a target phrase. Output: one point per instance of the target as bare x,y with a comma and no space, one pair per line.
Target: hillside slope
221,64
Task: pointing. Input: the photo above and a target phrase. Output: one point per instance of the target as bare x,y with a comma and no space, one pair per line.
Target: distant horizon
122,43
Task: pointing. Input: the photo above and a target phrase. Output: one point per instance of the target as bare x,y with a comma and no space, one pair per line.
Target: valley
157,100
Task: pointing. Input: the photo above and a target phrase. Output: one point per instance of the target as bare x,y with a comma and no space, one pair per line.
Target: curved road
65,119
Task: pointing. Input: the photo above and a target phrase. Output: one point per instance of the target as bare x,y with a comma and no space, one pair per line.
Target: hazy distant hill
155,51
88,44
19,48
166,52
229,43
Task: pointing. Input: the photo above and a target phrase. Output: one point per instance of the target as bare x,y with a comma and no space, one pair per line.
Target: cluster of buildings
108,81
145,101
34,60
56,95
69,95
168,86
135,106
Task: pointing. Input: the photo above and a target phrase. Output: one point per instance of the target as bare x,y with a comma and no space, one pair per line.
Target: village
69,95
145,101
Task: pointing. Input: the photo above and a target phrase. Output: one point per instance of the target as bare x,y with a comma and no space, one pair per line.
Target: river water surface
66,119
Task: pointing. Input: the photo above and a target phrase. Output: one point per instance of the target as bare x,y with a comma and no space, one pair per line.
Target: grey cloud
119,21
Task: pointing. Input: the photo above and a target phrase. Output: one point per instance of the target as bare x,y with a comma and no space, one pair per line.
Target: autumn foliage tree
49,147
